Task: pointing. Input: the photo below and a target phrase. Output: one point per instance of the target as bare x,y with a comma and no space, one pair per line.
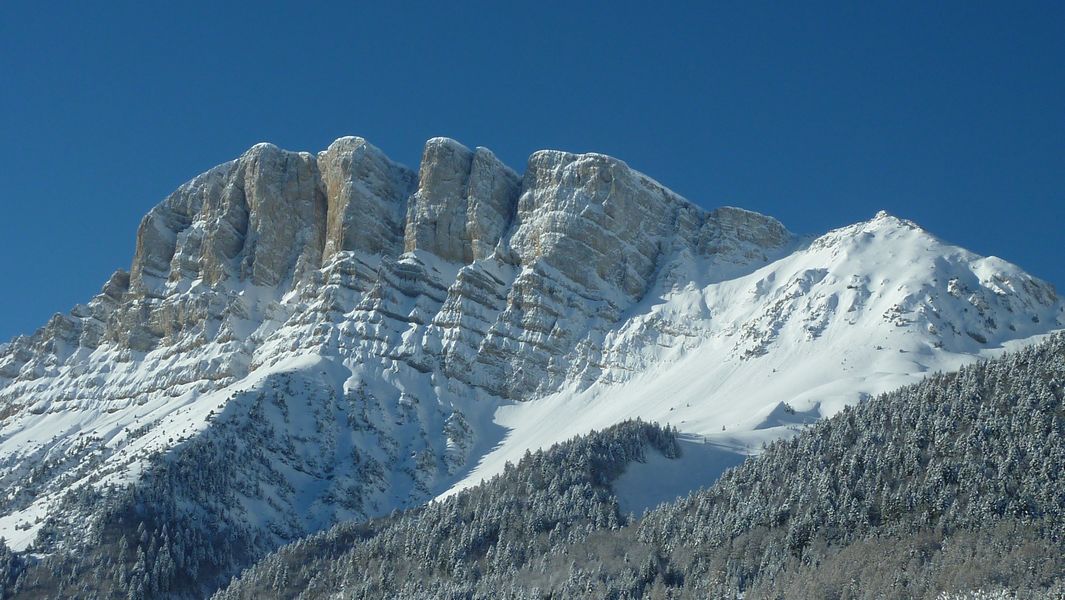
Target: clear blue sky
950,114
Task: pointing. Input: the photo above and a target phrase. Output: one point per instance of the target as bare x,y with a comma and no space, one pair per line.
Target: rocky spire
464,203
366,195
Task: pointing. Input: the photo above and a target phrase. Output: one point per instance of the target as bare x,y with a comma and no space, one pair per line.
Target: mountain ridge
418,330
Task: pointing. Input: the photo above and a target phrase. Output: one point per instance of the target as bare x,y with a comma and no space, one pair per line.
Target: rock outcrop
366,194
464,203
541,264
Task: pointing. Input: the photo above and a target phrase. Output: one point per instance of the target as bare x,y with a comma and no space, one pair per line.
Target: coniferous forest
953,485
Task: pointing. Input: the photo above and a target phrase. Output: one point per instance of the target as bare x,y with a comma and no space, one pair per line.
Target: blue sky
950,114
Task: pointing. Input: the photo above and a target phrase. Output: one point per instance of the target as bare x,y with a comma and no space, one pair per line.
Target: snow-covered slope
308,338
856,312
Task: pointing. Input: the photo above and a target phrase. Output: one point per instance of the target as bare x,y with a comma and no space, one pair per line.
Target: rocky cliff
508,272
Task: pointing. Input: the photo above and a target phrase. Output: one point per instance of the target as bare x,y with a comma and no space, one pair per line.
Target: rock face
344,328
270,216
464,203
544,262
366,195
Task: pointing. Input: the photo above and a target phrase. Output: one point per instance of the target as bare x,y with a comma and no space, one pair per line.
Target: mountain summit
306,338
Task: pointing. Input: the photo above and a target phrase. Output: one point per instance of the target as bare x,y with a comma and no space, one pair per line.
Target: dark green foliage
550,499
185,520
142,546
12,566
145,544
953,484
172,534
974,453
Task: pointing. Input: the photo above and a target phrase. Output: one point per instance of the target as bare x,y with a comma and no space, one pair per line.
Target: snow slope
644,486
849,315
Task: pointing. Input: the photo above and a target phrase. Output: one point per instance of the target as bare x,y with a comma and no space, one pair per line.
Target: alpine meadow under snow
305,340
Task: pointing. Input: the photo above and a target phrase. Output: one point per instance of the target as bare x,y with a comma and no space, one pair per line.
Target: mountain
952,485
306,339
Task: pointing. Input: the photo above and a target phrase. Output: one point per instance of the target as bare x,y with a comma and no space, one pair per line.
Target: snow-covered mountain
307,338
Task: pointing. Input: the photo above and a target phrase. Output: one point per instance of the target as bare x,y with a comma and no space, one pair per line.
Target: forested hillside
553,497
952,485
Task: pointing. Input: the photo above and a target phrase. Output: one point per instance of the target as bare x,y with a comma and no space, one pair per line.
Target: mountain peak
441,141
263,147
353,325
884,218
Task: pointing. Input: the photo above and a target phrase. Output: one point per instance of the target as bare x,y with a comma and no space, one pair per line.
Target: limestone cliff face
366,195
541,265
591,237
271,216
464,203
